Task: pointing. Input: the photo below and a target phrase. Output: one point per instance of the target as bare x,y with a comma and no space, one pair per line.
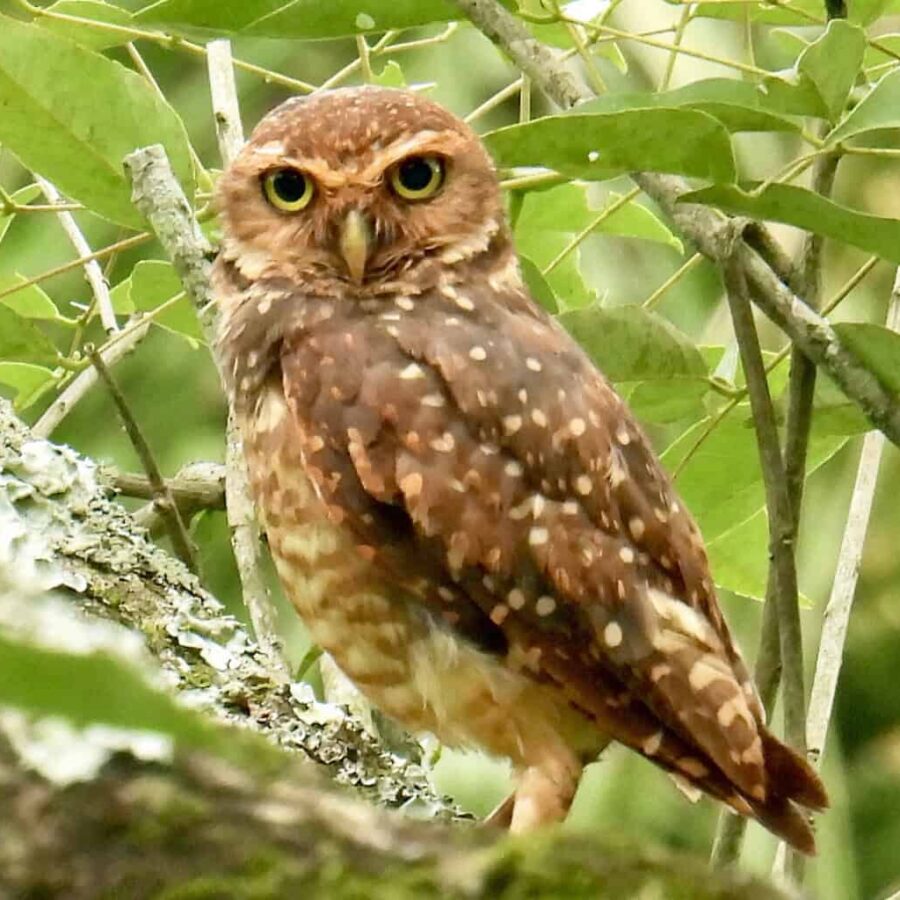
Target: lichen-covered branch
709,230
206,653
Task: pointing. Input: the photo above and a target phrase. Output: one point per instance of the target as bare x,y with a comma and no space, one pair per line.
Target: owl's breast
407,662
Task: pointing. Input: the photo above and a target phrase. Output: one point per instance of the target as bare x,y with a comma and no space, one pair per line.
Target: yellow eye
418,177
288,189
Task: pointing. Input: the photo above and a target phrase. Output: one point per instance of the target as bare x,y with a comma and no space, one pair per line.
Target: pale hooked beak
356,234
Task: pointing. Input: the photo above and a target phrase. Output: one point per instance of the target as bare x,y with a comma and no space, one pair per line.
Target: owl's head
370,189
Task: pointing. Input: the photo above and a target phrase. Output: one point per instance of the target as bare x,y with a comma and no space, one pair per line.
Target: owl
466,516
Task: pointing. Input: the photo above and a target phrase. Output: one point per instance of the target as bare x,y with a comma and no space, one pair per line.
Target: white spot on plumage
412,371
538,536
612,634
511,424
545,605
479,354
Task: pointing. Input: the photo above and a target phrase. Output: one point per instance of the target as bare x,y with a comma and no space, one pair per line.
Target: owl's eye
288,189
418,177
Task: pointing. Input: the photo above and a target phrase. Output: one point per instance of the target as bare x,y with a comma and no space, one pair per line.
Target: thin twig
162,496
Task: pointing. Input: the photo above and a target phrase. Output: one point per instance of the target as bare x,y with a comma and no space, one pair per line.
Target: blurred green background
174,392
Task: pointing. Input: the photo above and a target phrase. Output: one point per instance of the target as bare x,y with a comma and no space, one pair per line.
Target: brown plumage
464,512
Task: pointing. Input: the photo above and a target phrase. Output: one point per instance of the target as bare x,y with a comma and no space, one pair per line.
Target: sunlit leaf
599,146
74,116
806,209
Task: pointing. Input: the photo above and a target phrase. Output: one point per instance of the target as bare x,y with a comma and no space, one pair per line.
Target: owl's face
362,189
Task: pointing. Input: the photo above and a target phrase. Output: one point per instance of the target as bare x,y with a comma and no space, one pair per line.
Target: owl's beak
356,234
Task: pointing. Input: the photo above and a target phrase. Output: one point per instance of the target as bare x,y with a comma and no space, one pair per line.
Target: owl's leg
544,793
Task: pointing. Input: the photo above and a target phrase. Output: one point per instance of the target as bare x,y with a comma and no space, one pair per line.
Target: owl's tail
793,787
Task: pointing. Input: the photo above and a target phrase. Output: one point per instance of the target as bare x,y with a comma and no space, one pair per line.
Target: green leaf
28,382
738,105
880,108
391,75
565,281
602,145
721,484
877,347
22,341
299,18
537,285
30,302
120,297
21,196
832,64
722,487
805,209
566,209
101,688
662,373
75,116
153,282
85,35
791,12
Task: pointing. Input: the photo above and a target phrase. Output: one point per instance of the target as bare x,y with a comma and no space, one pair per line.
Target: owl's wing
478,454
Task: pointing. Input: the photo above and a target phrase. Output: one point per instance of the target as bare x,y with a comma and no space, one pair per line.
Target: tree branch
708,229
117,574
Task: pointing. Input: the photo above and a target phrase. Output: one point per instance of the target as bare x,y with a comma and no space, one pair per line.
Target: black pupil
289,185
415,174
